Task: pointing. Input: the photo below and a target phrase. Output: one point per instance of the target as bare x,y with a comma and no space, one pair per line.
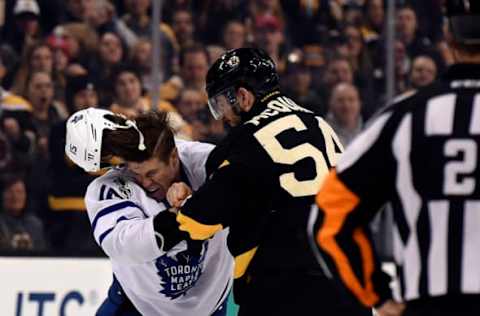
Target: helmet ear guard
85,132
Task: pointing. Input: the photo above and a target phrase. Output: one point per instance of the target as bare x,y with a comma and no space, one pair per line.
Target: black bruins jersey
263,180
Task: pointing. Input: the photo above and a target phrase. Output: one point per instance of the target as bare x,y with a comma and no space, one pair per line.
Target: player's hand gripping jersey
178,278
263,179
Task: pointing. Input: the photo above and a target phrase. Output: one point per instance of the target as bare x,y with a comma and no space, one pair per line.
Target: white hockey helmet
84,136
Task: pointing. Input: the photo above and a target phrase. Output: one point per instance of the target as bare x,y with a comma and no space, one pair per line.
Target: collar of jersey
463,71
183,175
260,105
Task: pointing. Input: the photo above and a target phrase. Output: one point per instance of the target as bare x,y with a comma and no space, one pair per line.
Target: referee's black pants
292,293
448,305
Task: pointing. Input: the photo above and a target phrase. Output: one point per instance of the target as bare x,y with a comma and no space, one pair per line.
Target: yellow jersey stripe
197,231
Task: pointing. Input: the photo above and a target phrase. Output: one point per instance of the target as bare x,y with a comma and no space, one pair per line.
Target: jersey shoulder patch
112,185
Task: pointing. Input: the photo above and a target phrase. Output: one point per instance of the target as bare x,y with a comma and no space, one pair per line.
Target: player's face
155,176
229,115
14,198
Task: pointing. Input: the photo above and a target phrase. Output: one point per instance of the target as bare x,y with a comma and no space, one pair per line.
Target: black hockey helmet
464,17
250,68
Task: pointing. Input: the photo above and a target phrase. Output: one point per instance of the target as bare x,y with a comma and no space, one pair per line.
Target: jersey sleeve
123,229
347,201
238,194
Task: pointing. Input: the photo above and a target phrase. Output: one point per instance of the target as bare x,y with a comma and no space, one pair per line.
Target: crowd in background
57,57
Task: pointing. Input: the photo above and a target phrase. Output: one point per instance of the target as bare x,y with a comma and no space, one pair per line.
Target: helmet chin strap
141,141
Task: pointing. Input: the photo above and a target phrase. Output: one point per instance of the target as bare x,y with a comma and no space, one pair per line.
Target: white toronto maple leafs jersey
177,282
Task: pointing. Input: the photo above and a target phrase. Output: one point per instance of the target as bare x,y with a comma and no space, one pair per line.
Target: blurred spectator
5,153
309,21
314,56
80,42
183,27
78,10
110,49
45,114
358,54
268,34
353,15
344,114
190,102
423,73
141,59
374,20
45,110
194,63
430,18
171,6
139,21
127,88
443,48
361,61
338,70
215,52
402,70
80,93
110,53
192,106
104,19
61,61
234,35
213,15
19,228
408,32
129,101
16,123
338,45
26,28
259,8
39,57
298,87
68,228
9,60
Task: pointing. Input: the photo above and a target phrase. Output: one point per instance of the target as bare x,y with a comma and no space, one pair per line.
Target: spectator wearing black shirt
68,226
20,229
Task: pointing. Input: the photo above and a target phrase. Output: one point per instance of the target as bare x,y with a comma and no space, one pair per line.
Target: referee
421,155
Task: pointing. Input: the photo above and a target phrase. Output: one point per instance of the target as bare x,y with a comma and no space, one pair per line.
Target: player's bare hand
391,308
43,146
12,128
177,193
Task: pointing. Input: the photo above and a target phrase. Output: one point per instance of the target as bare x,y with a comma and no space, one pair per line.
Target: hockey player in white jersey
159,268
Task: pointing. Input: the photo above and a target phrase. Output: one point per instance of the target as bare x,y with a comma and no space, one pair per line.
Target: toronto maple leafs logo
77,118
181,271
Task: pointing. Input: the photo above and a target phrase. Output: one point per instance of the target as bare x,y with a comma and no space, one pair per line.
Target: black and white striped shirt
421,154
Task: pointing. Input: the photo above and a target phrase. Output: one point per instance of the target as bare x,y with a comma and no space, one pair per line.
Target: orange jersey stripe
337,201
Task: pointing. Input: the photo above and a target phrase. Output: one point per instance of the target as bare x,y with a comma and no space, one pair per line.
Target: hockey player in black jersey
263,179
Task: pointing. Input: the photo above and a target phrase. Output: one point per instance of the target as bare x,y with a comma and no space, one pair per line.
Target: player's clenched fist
177,193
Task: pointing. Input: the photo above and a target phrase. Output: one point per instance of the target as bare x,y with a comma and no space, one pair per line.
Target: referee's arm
348,200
